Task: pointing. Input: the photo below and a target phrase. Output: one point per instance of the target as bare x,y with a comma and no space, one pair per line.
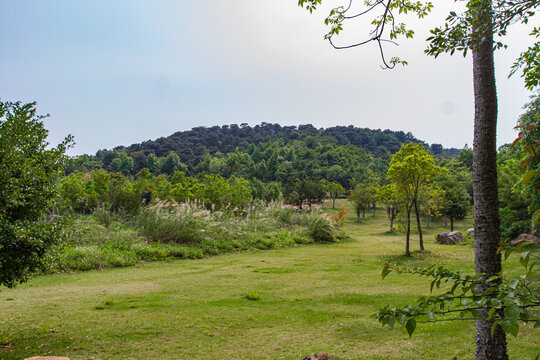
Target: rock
448,238
47,358
525,238
470,231
318,356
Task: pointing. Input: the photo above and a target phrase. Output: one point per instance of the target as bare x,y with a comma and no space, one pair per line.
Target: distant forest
267,152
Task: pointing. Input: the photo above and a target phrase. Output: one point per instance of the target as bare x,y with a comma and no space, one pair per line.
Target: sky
125,71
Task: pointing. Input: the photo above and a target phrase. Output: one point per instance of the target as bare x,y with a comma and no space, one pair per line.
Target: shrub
167,226
253,295
339,217
103,216
320,228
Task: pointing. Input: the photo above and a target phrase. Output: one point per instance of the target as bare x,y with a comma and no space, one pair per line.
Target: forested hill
264,151
193,144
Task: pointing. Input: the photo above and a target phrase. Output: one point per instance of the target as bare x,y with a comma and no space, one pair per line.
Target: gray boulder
470,231
450,238
525,238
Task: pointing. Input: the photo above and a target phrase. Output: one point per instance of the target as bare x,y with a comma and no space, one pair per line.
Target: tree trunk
333,203
451,223
363,213
407,251
358,215
486,205
445,222
391,223
419,226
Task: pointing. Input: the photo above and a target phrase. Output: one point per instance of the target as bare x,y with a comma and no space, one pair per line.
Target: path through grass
276,304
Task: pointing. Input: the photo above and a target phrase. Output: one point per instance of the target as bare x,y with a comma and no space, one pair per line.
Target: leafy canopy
28,173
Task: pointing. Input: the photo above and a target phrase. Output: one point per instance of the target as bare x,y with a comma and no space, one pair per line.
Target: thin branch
363,12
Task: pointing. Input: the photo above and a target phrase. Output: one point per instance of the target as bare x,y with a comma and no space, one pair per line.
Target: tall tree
471,31
28,173
411,168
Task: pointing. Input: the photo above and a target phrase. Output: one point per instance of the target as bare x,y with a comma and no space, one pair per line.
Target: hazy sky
119,72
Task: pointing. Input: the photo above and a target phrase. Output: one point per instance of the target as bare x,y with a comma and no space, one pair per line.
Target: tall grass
172,230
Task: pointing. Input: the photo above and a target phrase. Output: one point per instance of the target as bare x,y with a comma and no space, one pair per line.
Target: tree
388,196
123,164
431,200
28,172
312,192
471,31
361,197
411,168
529,134
334,189
152,163
456,199
172,163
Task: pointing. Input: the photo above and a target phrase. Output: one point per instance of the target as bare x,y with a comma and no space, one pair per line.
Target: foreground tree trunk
419,226
486,205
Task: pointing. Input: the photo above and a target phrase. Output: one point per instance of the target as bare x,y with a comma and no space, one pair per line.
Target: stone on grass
470,231
450,238
525,238
318,356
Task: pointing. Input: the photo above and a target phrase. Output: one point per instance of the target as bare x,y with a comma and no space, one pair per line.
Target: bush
168,226
320,228
103,216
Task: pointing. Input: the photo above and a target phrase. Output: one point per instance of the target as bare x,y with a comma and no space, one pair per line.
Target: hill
268,152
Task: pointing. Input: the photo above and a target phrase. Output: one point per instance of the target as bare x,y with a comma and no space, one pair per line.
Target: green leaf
513,284
431,315
536,218
528,176
494,326
524,259
511,312
476,314
385,271
410,326
513,329
401,319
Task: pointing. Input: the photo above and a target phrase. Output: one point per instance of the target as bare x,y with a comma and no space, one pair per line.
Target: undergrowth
170,231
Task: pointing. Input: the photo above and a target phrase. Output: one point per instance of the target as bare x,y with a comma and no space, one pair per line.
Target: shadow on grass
417,258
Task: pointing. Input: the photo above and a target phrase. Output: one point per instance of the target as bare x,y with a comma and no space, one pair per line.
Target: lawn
274,304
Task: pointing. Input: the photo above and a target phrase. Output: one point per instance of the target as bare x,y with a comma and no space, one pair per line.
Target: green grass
314,298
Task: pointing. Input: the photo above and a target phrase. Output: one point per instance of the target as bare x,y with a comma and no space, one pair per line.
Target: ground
316,298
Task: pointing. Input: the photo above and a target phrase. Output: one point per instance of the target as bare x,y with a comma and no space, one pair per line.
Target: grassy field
275,304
